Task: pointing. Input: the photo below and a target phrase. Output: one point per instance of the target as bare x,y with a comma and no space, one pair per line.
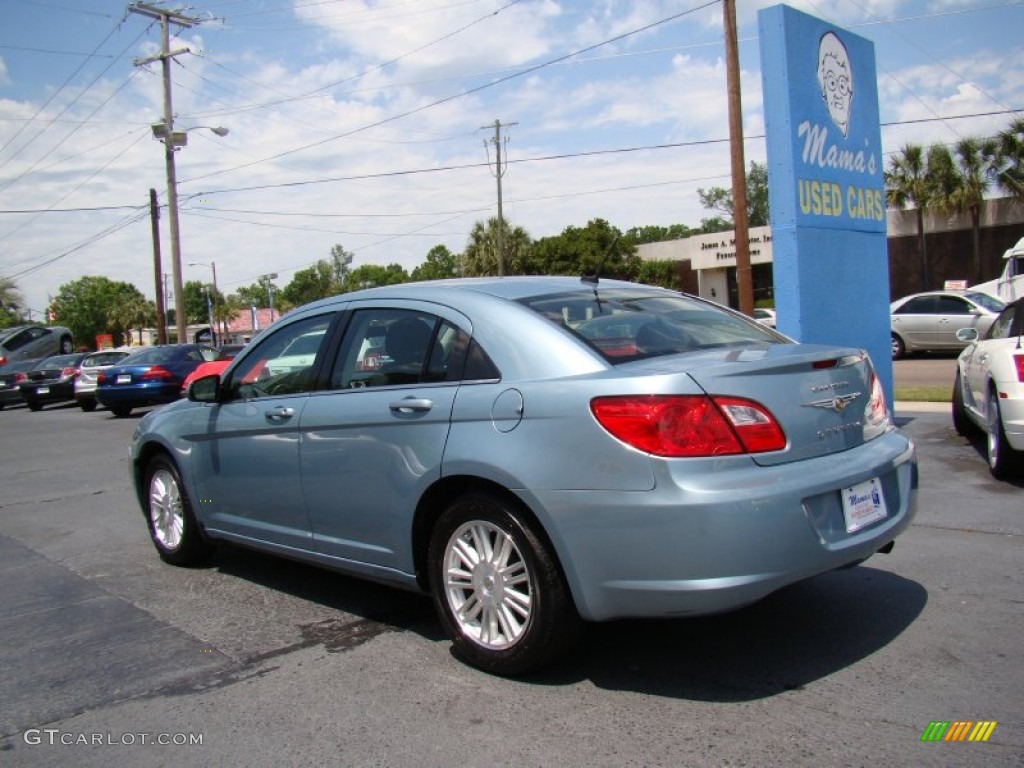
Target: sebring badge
837,403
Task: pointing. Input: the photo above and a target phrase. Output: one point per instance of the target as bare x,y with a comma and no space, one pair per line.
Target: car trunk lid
825,399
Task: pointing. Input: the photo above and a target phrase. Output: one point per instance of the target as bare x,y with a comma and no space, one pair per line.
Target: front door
248,444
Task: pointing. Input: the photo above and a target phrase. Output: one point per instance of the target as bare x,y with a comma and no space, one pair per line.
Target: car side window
1003,326
951,305
273,368
18,340
389,347
922,305
386,347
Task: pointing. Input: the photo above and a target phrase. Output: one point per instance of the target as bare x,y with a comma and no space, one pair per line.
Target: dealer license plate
124,378
863,504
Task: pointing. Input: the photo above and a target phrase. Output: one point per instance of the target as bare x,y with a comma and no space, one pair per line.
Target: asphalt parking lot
107,652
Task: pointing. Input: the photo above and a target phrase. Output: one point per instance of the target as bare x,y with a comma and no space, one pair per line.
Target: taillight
3,360
156,373
20,377
1018,360
68,372
100,378
689,425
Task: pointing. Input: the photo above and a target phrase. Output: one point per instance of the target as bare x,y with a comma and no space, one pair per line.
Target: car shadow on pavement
979,442
367,602
800,634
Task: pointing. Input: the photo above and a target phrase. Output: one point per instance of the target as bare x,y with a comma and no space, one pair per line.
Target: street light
213,266
270,291
173,139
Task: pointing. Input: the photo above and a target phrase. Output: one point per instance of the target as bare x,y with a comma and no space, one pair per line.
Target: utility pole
499,171
161,314
744,278
167,17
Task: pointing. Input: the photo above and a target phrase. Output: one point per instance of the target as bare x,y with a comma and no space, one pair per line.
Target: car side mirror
205,389
967,334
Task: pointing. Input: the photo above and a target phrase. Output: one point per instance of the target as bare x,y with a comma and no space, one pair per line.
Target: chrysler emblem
837,403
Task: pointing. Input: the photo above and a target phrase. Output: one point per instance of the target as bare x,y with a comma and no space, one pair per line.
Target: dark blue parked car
151,376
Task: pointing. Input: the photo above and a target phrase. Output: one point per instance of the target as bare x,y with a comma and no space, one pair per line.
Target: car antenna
593,279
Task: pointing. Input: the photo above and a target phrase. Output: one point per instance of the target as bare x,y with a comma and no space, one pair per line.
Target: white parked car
765,316
988,392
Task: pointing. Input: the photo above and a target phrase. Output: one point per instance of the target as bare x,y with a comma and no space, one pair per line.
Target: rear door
917,322
373,442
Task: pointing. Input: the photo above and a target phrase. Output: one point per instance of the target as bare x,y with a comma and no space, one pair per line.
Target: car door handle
411,405
280,413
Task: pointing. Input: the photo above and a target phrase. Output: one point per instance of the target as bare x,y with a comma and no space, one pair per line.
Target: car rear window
627,325
103,358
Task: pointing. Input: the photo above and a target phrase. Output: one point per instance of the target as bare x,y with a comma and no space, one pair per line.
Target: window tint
271,368
922,305
385,347
103,358
952,305
624,325
17,341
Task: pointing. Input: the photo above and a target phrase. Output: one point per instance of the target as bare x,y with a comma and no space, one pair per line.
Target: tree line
957,179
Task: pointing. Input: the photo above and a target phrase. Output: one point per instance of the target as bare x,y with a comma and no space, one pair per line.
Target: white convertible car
989,389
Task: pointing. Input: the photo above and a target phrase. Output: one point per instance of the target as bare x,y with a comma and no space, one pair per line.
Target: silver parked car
26,342
528,462
928,322
85,384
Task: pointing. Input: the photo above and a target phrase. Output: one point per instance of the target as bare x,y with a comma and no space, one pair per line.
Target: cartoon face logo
835,77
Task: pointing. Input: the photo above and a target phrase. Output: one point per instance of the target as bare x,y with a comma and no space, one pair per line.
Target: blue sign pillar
826,185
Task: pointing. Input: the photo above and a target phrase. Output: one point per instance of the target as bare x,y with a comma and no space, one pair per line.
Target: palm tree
907,184
962,179
132,313
481,254
1008,162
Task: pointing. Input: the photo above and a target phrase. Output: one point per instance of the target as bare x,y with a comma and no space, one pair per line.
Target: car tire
1003,461
34,406
172,524
87,405
899,349
66,345
497,588
961,422
121,411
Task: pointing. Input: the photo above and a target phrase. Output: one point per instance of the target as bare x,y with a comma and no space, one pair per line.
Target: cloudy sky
367,123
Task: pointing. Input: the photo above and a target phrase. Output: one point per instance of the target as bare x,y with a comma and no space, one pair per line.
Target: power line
463,94
470,166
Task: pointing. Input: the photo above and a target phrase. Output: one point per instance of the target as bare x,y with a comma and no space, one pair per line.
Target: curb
909,406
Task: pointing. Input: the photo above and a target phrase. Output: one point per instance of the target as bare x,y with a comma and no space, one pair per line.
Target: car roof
513,288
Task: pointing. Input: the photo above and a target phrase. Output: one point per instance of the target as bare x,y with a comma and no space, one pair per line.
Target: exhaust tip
887,548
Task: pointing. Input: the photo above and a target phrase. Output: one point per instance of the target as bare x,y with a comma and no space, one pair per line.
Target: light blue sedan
483,441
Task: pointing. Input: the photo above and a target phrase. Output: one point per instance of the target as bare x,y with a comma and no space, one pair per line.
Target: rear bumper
138,396
57,392
716,535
